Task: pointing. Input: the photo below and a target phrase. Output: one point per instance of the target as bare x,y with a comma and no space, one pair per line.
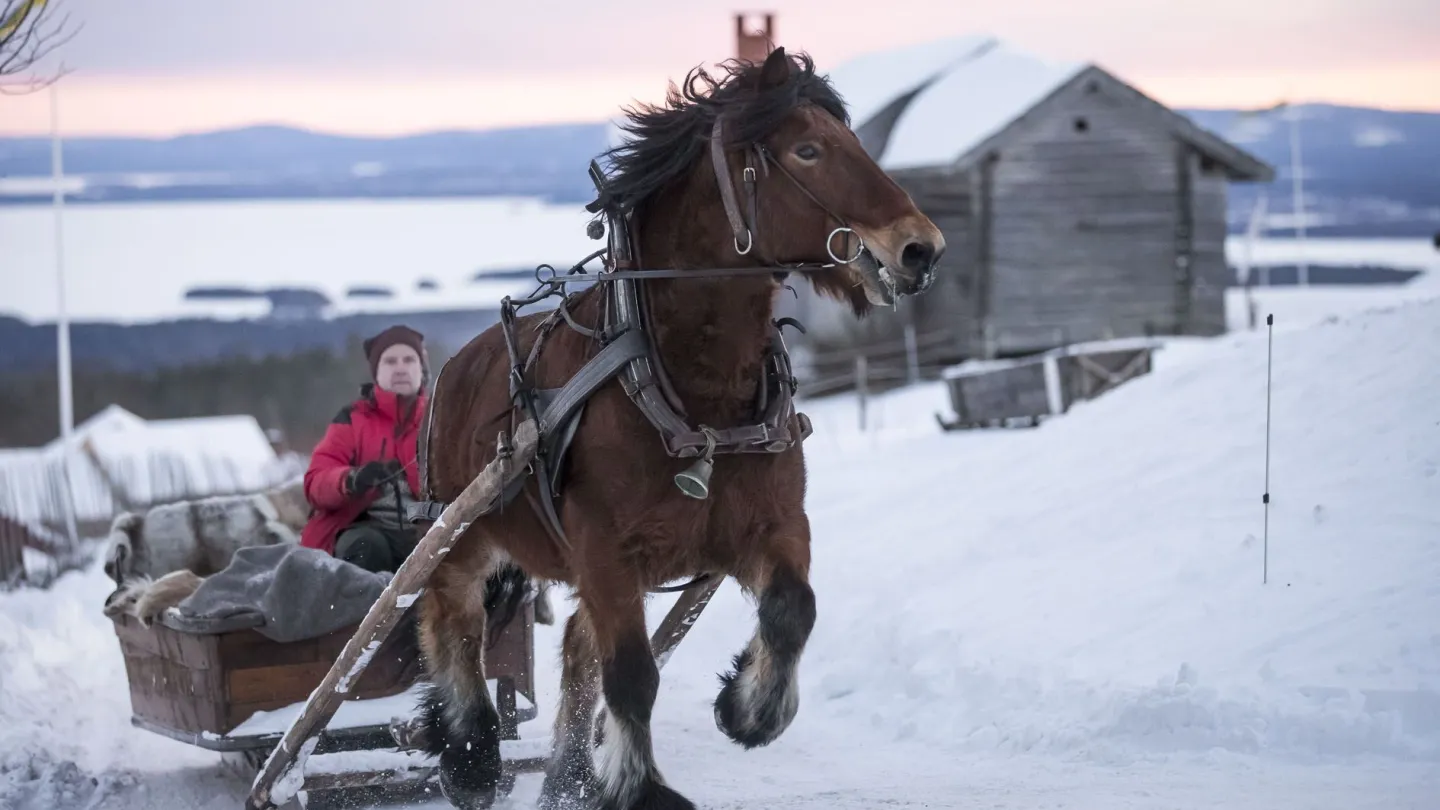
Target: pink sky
162,67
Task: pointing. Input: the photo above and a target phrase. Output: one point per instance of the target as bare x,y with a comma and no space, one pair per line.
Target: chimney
755,44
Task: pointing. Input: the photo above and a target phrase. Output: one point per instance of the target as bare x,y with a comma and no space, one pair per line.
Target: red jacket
369,429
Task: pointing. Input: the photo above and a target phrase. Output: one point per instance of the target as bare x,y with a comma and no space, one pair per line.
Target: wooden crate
199,684
1000,391
1088,374
1025,390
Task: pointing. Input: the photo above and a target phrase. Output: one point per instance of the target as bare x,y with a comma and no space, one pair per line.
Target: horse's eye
807,151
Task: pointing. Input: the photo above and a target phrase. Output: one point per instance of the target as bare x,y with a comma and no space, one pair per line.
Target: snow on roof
973,87
150,461
111,419
869,82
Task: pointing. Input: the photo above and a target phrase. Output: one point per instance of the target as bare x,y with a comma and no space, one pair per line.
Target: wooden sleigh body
321,722
236,692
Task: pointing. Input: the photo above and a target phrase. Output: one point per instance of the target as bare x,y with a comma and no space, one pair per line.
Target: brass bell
695,481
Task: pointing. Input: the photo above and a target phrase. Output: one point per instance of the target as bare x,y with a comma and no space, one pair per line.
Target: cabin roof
936,103
154,460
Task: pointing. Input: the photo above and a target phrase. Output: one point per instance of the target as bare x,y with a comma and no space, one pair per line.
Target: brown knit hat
376,346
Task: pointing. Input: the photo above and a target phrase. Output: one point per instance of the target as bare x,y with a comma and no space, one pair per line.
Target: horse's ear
776,70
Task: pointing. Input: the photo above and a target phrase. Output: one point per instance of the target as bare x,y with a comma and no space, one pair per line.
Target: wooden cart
236,692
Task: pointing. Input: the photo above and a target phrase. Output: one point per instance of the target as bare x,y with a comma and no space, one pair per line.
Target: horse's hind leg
570,778
460,724
630,680
759,699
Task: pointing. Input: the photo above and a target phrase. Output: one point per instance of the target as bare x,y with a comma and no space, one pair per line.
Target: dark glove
364,479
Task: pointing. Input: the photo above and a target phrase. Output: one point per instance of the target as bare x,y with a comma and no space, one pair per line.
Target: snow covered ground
1071,616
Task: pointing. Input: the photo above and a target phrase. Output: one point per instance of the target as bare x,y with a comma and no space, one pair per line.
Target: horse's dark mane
668,139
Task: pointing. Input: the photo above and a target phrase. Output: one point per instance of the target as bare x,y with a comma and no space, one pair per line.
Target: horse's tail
506,592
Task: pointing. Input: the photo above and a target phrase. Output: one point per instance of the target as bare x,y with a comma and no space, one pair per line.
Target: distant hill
1369,172
143,348
280,162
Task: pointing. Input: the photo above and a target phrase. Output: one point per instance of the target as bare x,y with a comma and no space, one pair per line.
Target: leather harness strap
629,345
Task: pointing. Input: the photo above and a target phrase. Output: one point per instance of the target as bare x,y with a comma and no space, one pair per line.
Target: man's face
399,370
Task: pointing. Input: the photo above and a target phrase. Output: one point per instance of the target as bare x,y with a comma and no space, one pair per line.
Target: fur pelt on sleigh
285,592
227,563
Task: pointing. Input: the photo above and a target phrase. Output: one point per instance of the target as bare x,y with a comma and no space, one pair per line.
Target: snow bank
1094,586
65,733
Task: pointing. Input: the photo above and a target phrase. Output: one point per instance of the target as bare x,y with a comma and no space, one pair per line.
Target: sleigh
326,721
221,681
235,692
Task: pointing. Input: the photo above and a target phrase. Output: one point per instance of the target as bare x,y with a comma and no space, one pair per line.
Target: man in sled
364,474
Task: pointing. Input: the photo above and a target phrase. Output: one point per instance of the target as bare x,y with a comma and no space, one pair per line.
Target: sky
381,67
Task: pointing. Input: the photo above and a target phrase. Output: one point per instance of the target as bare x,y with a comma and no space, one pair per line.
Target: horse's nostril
918,257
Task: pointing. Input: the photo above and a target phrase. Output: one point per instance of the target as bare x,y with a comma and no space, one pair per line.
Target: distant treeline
298,393
152,346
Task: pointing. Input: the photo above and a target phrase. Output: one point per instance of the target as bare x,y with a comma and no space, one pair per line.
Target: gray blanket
286,592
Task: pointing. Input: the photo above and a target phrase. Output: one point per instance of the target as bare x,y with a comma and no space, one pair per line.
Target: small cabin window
1208,165
1092,87
1082,125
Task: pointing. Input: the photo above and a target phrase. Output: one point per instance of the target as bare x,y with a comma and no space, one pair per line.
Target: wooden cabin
1074,208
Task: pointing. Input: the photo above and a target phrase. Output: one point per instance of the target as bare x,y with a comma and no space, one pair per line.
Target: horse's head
827,181
816,196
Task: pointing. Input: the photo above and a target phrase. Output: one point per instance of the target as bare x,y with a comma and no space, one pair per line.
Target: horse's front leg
630,680
759,699
460,724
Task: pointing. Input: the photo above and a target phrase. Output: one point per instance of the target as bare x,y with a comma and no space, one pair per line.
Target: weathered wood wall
1093,222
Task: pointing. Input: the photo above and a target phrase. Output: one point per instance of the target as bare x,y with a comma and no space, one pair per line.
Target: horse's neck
712,334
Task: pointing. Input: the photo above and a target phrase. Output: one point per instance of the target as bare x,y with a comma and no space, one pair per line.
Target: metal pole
62,317
1269,357
1252,229
861,374
912,354
1297,190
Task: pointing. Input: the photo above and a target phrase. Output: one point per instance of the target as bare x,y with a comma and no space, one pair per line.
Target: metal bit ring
830,242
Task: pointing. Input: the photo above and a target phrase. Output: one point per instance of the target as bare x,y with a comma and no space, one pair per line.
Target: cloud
556,37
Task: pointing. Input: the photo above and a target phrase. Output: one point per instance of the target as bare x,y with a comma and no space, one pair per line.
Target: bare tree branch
30,31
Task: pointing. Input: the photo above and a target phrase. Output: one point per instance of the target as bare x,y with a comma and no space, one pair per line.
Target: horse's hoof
470,782
570,784
754,715
466,798
654,796
564,801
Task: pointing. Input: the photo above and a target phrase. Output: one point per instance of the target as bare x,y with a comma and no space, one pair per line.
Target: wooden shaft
479,498
681,618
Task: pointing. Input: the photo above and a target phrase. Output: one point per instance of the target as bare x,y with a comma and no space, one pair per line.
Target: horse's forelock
667,139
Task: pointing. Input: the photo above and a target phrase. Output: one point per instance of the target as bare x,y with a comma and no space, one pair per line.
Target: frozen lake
134,262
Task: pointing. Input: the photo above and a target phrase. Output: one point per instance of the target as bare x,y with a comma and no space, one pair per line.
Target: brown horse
624,526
